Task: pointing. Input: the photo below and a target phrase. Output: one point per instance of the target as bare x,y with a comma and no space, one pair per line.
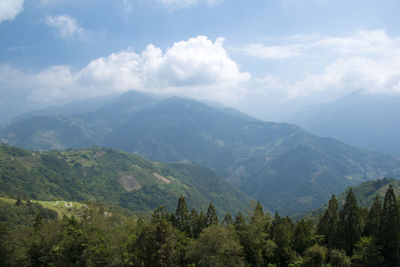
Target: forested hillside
279,164
113,177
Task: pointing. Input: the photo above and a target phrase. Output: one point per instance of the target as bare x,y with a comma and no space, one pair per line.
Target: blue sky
264,57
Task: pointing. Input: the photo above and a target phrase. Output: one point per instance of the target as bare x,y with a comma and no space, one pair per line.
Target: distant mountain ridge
279,164
369,121
115,178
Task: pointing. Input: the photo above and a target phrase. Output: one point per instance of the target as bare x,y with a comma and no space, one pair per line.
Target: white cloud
273,52
67,27
10,8
368,60
197,68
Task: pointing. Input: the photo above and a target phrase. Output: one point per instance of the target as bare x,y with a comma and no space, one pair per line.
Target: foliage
350,224
338,258
315,256
216,246
113,177
366,252
99,238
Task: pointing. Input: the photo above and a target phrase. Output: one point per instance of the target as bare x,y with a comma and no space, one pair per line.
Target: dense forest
30,235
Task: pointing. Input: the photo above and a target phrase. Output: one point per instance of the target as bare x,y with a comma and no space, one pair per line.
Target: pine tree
350,223
227,219
202,223
212,218
182,216
258,213
303,236
194,223
282,235
240,222
373,224
390,227
327,224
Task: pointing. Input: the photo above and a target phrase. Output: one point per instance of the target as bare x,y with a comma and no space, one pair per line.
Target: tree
338,258
366,252
227,220
258,213
19,202
240,222
182,221
350,223
282,235
156,244
202,223
303,236
258,247
212,218
194,223
390,224
216,246
315,256
327,224
373,224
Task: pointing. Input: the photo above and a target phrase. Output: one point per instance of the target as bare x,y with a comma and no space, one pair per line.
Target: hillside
365,194
279,164
113,177
362,120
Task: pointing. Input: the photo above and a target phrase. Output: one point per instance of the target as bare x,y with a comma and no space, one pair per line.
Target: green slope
365,194
113,177
279,164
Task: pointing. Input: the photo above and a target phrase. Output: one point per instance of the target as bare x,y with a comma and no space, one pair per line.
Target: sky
267,58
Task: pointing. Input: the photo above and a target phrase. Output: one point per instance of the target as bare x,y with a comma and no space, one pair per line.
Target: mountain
363,120
279,164
113,177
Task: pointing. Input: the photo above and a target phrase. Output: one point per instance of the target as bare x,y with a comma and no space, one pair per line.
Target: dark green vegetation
348,236
365,194
113,177
279,164
368,121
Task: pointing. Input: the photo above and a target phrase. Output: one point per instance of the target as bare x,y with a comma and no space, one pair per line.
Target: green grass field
62,207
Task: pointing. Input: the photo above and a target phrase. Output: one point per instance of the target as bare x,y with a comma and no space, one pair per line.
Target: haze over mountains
369,121
279,164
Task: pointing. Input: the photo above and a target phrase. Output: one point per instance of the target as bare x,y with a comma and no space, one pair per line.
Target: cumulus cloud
197,68
67,27
10,8
368,60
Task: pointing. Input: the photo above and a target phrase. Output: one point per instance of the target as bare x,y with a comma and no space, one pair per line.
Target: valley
279,164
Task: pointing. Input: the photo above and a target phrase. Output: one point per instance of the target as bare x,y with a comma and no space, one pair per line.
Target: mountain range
368,121
280,164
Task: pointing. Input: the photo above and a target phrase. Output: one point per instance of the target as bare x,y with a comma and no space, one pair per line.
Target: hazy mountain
363,120
279,164
113,177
